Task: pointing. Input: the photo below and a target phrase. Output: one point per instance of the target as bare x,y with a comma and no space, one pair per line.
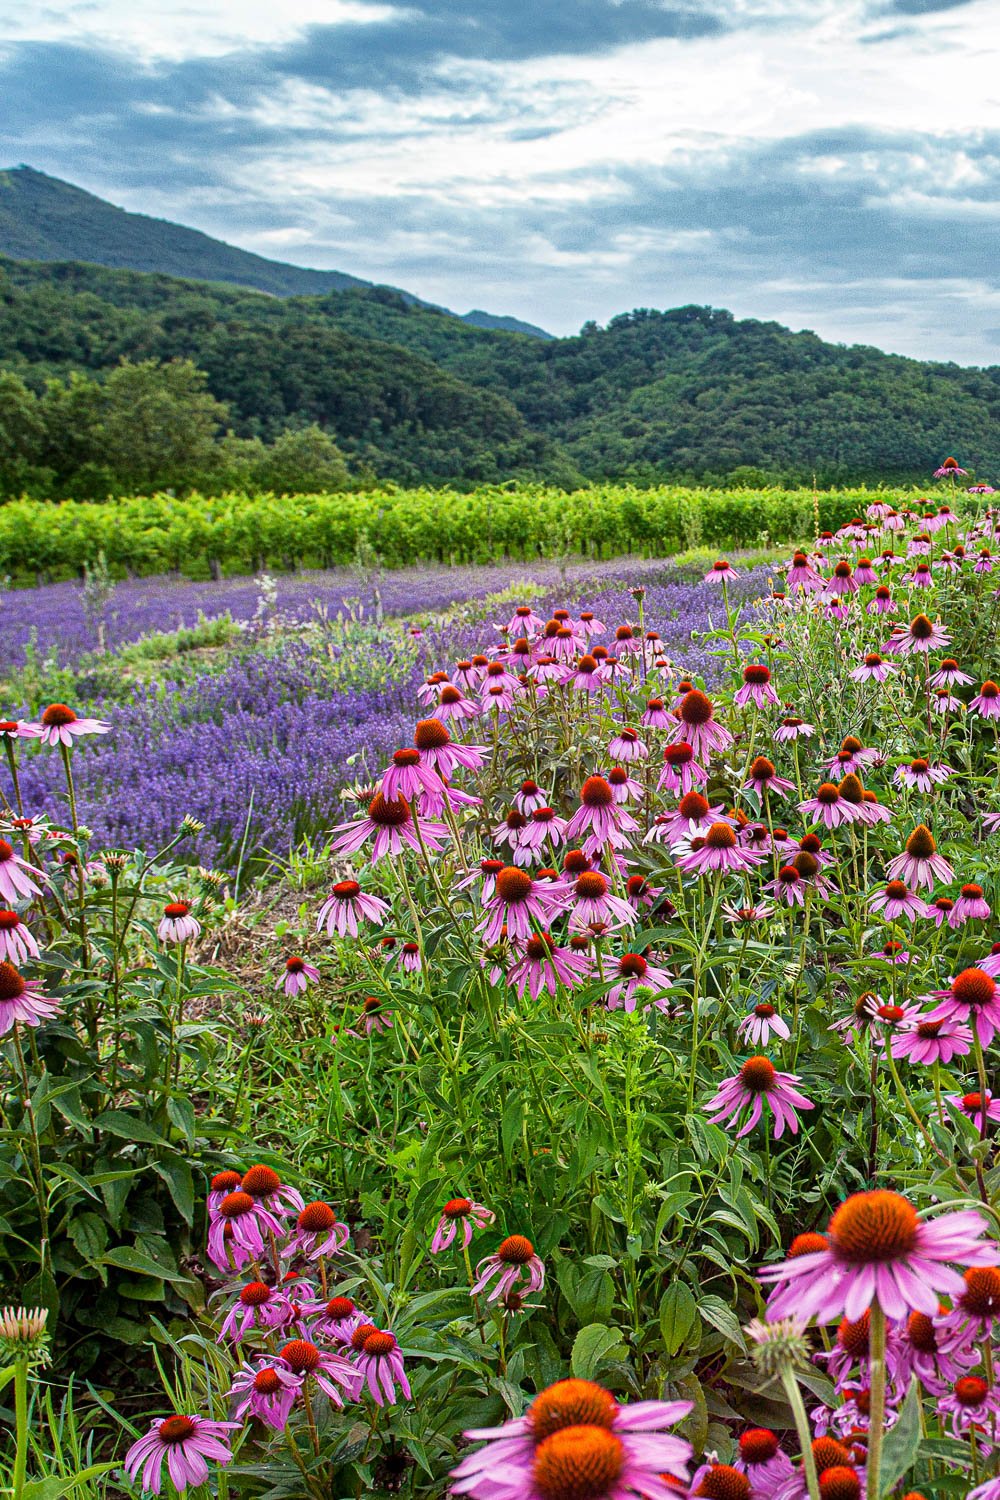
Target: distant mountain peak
45,218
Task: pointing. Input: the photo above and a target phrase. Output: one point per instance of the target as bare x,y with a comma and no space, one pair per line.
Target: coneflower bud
777,1346
23,1335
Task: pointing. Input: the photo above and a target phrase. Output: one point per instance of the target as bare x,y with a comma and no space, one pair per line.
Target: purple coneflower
186,1442
60,725
297,977
920,636
698,726
950,675
627,746
15,882
921,775
585,676
599,818
391,826
17,941
949,469
409,777
973,1406
625,788
762,777
593,902
452,703
266,1390
634,972
802,575
520,904
842,580
879,1250
317,1233
346,905
459,1217
22,1000
257,1306
721,572
335,1375
971,1106
681,772
920,864
793,728
896,900
757,687
763,1022
513,1262
758,1083
576,1440
438,749
970,906
932,1040
545,966
379,1362
874,668
719,851
829,807
655,715
986,703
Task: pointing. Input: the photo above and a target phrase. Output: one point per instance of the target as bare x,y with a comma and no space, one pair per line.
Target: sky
829,164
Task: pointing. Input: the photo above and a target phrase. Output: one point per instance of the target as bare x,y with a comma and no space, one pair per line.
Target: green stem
877,1382
795,1401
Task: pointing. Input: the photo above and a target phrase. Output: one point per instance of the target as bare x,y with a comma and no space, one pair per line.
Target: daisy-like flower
525,622
719,851
756,687
944,702
841,581
986,703
878,1249
920,864
698,726
576,1441
739,916
896,900
920,636
22,1000
335,1318
693,815
802,575
317,1233
758,1083
585,677
788,886
521,905
459,1217
514,1262
267,1189
793,728
970,906
333,1373
654,715
544,826
445,755
346,906
16,883
297,977
545,966
452,703
721,572
375,1018
973,999
187,1443
829,807
949,470
883,603
851,757
589,625
529,798
976,1310
950,675
19,729
627,746
410,777
921,774
625,788
61,726
221,1184
257,1306
379,1363
761,1024
265,1389
928,1040
17,941
593,902
762,777
177,924
763,1461
922,576
634,972
681,772
874,668
973,1405
971,1106
599,818
932,1351
392,828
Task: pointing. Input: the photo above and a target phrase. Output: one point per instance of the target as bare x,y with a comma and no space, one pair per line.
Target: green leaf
902,1442
54,1489
128,1258
182,1117
129,1127
591,1347
678,1313
177,1175
89,1234
722,1317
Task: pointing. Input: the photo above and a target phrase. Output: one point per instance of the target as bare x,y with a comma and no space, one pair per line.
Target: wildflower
896,900
976,1309
829,807
588,624
781,1343
267,1190
949,675
445,755
17,941
757,1083
970,906
22,1000
793,728
23,1334
336,1319
681,772
524,621
599,818
972,998
585,676
974,1404
654,715
460,1216
410,958
922,576
15,882
624,788
266,1390
986,703
878,1249
762,1460
943,702
60,726
257,1306
929,1041
374,1016
334,1374
874,668
520,904
802,575
920,864
720,852
920,636
738,915
410,777
594,902
698,726
842,580
971,1106
788,886
633,972
452,703
720,1482
513,1261
627,746
575,1440
545,966
186,1442
297,977
921,775
762,777
317,1233
379,1361
949,470
391,826
757,688
762,1021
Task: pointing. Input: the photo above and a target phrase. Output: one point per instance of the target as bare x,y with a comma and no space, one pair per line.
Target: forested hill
44,218
687,394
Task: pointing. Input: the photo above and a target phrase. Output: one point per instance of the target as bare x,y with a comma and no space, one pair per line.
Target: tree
305,460
21,432
159,423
